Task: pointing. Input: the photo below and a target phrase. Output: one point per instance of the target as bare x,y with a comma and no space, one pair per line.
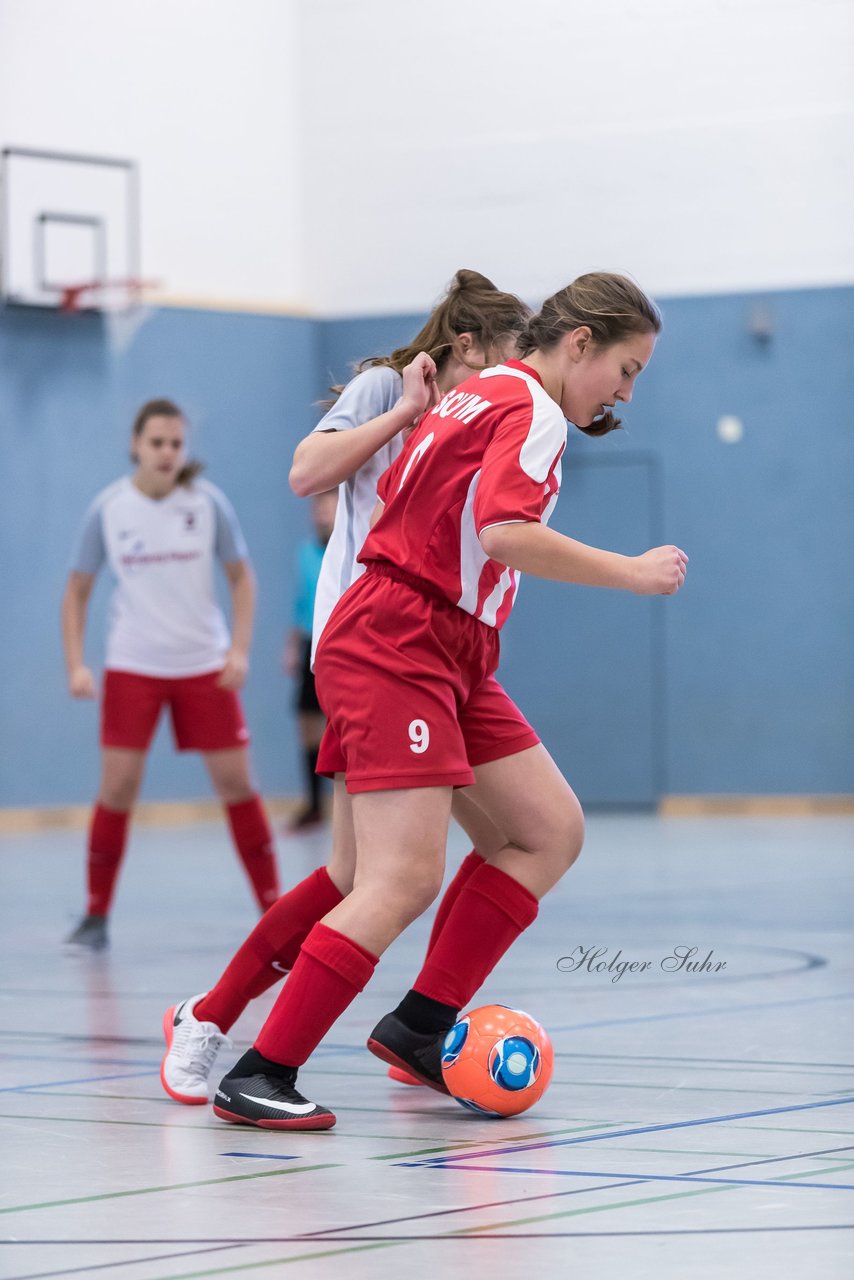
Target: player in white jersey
473,325
162,531
405,674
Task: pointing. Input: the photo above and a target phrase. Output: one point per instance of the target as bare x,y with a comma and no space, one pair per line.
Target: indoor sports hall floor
698,1124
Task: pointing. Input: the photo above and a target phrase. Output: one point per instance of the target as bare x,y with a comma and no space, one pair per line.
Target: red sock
469,864
107,839
270,950
329,973
491,910
253,839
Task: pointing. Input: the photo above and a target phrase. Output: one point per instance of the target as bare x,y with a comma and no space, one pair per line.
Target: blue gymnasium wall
743,683
247,384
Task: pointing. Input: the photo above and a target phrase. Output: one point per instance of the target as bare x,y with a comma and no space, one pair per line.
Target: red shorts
204,717
406,681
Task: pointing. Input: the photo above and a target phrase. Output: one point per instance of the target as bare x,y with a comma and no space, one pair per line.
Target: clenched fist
81,683
659,572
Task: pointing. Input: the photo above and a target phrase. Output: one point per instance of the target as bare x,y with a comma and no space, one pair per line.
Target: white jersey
370,394
164,618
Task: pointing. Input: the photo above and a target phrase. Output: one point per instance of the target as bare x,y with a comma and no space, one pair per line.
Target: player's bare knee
567,833
341,873
410,898
118,794
574,831
232,787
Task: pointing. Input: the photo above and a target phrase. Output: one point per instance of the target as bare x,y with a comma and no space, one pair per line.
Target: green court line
102,1096
711,1155
144,1124
461,1144
464,1231
175,1186
202,1128
779,1128
485,1142
622,1204
593,1208
280,1262
669,1086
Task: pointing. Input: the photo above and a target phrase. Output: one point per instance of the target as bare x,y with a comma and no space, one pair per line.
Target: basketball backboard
67,220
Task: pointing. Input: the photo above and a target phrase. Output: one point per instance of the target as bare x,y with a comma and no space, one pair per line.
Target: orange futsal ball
497,1061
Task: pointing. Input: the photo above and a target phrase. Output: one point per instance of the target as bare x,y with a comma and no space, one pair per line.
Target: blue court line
630,1181
256,1155
636,1059
749,1164
90,1057
435,1161
656,1177
699,1013
54,1084
62,1038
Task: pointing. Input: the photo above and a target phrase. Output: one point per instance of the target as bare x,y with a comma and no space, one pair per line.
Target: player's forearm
242,609
534,548
73,618
325,458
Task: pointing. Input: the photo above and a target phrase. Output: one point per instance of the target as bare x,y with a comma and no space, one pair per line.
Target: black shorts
306,695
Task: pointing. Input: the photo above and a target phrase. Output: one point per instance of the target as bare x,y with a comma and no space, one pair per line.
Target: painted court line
800,1155
632,1059
628,1133
90,1268
133,1124
516,1235
660,1177
175,1186
699,1013
625,1181
256,1155
57,1084
496,1231
615,1204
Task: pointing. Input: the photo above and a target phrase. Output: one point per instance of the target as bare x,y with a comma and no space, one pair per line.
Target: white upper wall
204,94
348,156
702,145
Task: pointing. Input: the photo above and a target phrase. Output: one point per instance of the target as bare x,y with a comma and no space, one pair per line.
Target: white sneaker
191,1047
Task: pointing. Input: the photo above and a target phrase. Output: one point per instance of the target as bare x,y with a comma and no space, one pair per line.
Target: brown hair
611,306
471,304
165,409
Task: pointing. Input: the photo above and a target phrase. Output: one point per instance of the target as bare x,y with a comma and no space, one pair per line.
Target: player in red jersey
405,672
473,325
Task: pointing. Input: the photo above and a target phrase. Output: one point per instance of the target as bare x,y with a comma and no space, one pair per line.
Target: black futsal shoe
415,1052
268,1102
90,933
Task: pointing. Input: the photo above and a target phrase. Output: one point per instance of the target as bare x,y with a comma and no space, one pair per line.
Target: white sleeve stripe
472,555
496,524
495,599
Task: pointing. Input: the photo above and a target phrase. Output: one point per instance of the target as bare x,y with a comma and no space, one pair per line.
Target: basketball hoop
121,303
103,295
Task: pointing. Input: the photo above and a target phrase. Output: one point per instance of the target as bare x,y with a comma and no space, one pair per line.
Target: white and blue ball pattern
514,1063
497,1061
453,1043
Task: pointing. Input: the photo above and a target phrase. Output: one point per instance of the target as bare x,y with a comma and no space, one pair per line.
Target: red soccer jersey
489,453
